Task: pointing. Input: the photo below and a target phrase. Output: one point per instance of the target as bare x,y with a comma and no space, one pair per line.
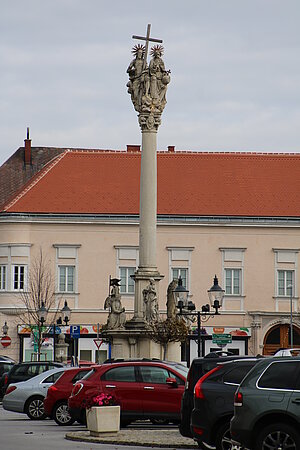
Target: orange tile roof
189,183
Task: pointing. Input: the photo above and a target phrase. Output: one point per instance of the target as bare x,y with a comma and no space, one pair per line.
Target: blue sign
75,331
57,330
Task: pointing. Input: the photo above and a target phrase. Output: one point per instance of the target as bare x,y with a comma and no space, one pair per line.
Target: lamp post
290,286
5,329
186,308
66,314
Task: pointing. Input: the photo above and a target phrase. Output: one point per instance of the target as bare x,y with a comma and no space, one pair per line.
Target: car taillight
238,399
76,389
5,379
51,390
188,379
10,389
198,387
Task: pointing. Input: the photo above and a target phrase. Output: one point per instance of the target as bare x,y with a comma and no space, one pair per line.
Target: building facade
233,215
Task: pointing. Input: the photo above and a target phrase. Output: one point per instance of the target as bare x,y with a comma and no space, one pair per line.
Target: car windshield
183,370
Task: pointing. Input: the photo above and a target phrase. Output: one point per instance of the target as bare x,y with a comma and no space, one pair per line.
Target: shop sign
5,341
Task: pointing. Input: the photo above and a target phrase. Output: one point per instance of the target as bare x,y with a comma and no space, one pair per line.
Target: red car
144,389
56,401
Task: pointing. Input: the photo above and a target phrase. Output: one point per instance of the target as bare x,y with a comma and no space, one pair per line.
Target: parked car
267,406
56,401
28,396
23,371
198,368
288,352
213,403
5,366
144,389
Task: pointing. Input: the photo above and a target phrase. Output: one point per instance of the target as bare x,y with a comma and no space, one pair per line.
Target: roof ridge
46,169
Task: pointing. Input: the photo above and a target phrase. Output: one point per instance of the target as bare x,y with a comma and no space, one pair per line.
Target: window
281,375
236,375
127,283
285,282
2,278
233,281
179,272
152,374
126,373
19,278
52,378
66,278
80,375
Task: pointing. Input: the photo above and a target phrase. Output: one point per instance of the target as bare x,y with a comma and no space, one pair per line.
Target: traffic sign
5,341
224,338
98,342
75,331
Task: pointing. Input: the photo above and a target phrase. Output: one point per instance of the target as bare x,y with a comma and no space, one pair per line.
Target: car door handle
297,401
110,386
149,388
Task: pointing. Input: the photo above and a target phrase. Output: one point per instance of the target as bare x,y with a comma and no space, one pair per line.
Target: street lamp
290,286
186,308
5,329
66,314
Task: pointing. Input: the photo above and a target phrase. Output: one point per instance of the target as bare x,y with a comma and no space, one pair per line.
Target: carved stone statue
117,316
171,306
150,302
148,85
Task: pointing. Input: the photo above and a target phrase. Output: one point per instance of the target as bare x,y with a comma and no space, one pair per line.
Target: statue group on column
148,85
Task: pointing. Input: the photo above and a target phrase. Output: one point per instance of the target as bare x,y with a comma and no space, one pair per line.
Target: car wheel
278,435
160,421
223,439
34,408
61,414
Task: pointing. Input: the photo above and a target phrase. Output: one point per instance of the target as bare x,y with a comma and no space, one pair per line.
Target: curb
143,438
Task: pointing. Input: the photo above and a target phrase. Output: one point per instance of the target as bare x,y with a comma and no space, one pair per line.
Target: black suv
267,406
199,367
213,402
23,371
5,365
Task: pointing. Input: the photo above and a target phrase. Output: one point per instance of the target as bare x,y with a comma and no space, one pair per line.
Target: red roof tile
189,183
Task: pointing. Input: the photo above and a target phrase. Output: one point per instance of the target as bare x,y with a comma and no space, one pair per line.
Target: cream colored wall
97,260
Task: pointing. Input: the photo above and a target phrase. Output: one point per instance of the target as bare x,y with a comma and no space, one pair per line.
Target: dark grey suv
267,406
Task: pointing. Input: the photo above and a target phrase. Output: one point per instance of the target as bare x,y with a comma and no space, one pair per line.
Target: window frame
66,283
185,280
287,292
3,277
240,278
13,268
127,279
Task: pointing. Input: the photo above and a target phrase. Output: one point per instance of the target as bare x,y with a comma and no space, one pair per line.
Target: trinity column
147,86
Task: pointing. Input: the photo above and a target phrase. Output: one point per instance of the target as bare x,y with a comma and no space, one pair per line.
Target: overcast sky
235,73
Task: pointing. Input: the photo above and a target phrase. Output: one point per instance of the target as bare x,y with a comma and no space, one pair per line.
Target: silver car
28,396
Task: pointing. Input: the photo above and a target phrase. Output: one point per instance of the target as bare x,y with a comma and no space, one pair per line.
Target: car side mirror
172,382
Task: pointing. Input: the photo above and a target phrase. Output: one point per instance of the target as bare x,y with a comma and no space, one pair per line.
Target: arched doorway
279,336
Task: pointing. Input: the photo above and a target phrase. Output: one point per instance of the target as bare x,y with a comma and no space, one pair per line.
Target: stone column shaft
148,202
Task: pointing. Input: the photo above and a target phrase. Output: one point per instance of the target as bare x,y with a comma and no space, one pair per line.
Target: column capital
149,122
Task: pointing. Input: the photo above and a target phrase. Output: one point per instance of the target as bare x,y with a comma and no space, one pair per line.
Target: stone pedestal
61,350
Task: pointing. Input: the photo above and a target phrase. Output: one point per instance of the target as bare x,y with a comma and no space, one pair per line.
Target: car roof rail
116,360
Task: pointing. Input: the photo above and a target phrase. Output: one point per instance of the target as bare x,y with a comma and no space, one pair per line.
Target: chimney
133,148
171,148
27,151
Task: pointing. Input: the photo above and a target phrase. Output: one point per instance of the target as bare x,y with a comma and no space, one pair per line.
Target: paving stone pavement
147,438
